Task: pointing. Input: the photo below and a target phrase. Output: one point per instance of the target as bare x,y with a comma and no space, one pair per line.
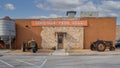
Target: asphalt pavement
94,59
52,61
83,62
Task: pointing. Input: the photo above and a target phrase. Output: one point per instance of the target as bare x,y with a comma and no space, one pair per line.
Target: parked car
117,44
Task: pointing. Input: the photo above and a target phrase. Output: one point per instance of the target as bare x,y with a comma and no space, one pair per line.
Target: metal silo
7,30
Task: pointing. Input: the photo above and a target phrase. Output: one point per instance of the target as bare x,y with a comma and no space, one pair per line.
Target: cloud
36,17
53,16
58,5
64,2
104,7
110,8
50,16
9,6
89,6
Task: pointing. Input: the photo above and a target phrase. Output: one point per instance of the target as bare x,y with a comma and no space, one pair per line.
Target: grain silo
7,32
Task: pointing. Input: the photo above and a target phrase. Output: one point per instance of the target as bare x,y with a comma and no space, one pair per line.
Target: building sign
59,23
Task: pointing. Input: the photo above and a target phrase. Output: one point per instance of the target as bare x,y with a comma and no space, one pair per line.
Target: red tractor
101,45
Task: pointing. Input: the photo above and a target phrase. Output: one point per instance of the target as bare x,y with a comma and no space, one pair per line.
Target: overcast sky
57,8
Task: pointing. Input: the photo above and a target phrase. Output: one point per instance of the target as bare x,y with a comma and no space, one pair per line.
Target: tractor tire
112,48
92,47
23,48
36,46
34,50
100,47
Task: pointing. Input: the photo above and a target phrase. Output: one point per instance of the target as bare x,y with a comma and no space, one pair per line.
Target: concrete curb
50,54
93,54
81,53
18,54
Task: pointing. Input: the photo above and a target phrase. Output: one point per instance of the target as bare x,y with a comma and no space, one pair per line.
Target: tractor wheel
100,47
23,48
112,48
36,47
92,47
34,50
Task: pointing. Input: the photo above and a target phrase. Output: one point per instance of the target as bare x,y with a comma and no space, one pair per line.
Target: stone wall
74,37
118,32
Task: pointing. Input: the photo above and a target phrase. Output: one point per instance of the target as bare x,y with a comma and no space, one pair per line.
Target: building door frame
60,39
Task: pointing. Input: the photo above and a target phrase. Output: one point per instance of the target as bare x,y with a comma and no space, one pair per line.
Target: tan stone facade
72,38
118,32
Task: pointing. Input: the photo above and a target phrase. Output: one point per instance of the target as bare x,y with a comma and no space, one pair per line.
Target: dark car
117,44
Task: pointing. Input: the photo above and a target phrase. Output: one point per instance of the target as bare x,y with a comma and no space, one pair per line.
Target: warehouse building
62,33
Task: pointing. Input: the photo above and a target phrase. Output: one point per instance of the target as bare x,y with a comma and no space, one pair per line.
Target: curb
16,54
50,54
94,54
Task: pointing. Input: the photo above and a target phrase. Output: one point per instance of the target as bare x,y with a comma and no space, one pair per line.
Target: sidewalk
90,53
19,52
4,51
60,52
52,52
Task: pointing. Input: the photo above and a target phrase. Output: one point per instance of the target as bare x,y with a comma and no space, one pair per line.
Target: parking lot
12,59
22,61
33,61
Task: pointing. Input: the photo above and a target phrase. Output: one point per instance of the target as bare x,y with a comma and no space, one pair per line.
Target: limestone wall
74,37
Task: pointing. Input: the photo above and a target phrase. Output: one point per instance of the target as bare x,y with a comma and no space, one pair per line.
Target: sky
57,8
